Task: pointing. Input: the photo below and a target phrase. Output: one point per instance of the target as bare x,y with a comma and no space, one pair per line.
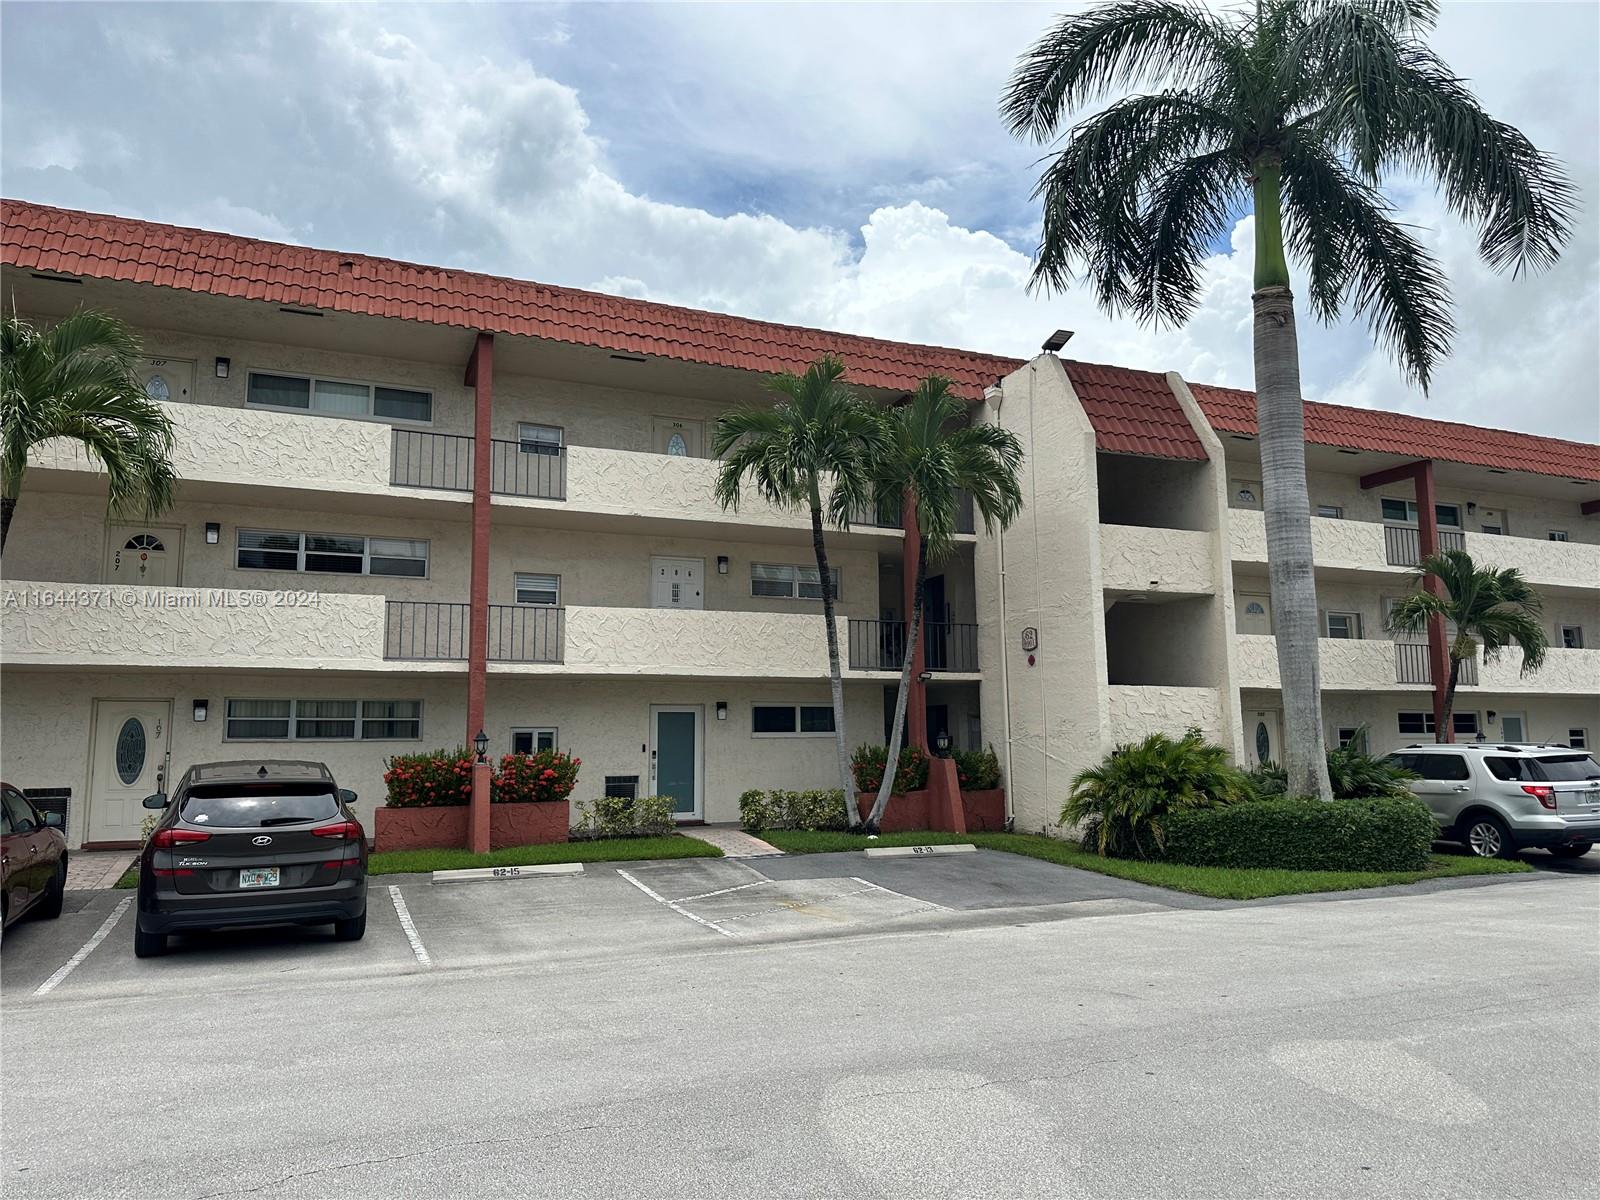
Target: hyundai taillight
1546,795
166,839
344,831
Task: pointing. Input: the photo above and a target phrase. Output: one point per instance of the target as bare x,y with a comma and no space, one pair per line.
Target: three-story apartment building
418,502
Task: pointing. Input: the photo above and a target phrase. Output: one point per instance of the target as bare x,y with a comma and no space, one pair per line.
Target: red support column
1428,544
480,377
917,697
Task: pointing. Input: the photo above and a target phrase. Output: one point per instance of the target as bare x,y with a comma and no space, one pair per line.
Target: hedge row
778,809
1300,833
624,816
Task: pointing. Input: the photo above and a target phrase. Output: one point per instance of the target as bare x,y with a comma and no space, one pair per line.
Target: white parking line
407,924
49,985
722,891
878,887
675,907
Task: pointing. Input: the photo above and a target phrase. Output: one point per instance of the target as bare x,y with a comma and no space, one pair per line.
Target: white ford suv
1499,798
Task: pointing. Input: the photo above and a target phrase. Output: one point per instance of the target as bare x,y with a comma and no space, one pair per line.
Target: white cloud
858,182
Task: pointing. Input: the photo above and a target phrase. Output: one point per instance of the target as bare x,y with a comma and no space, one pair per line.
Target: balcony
1348,664
426,630
881,646
1411,665
1570,566
1139,558
444,461
1402,545
97,626
889,516
1337,544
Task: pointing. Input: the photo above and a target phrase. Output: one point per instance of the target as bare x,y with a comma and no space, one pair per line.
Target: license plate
254,877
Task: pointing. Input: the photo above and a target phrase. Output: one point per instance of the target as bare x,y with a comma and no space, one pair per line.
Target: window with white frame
1572,637
333,553
1416,723
777,581
539,439
791,720
1354,736
323,720
1465,723
1448,516
339,397
543,590
1578,739
532,740
1558,535
1333,512
1344,625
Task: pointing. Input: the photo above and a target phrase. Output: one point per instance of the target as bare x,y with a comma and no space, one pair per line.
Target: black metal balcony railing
1411,665
1402,545
888,516
445,460
881,646
434,631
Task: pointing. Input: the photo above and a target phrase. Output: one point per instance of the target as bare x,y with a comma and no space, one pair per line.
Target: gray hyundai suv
1501,798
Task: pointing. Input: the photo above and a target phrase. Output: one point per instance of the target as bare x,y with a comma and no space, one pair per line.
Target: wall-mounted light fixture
722,564
722,710
222,368
481,745
1492,716
213,532
924,676
201,707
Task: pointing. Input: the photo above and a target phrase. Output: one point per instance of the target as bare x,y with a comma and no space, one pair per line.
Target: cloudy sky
833,166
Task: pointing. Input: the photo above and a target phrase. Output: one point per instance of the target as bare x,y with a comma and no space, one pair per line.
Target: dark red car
35,851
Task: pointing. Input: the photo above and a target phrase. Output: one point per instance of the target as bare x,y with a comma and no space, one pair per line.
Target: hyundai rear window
1565,768
277,807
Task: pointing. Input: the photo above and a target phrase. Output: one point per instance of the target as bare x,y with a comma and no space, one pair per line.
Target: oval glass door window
130,750
1263,743
676,445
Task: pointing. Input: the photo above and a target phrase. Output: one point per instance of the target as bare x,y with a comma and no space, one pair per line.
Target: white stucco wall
1565,672
1347,664
1145,559
1343,544
1138,711
45,727
653,641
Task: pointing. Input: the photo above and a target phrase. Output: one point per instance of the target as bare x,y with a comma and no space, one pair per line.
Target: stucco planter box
446,828
985,810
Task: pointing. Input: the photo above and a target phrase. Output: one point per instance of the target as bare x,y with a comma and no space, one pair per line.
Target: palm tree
818,429
929,453
1294,110
1488,607
79,379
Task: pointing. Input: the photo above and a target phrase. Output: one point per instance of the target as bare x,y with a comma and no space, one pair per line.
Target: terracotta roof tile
1133,412
1233,410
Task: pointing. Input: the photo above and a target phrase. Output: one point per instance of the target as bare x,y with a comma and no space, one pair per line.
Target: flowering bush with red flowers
433,779
545,775
868,763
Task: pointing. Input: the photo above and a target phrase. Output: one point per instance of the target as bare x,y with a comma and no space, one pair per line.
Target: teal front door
675,766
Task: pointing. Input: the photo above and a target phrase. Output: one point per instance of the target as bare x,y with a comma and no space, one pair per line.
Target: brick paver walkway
732,841
91,869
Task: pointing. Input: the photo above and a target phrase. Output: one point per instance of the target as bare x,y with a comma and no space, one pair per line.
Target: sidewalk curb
476,874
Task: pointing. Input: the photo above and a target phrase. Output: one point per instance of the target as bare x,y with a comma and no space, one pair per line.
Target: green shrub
542,776
780,809
1122,805
1351,770
977,770
868,761
1300,833
432,779
624,816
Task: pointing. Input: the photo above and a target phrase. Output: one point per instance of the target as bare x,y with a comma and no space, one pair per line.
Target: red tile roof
1133,412
1233,410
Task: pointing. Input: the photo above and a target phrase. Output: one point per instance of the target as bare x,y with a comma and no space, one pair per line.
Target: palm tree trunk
835,671
8,505
891,761
1445,731
1280,418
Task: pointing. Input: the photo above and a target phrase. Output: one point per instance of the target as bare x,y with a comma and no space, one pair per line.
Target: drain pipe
996,396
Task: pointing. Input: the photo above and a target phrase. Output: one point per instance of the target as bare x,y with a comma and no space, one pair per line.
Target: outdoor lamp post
942,743
481,745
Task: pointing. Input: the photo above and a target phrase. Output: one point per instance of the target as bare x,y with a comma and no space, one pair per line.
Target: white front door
151,555
1253,612
129,763
168,379
676,765
676,582
681,439
1263,736
1513,727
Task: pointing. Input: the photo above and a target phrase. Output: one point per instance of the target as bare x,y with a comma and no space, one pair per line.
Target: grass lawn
674,845
1223,883
130,878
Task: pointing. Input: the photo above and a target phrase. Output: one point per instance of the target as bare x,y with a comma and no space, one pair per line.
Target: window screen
773,718
401,405
281,391
816,718
264,550
258,719
325,718
538,589
334,552
397,556
391,718
530,741
1416,722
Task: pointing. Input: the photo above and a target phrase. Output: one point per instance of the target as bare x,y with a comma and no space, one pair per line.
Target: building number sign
1030,639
